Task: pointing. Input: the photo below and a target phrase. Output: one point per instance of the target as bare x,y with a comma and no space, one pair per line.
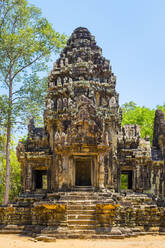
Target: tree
143,116
161,107
33,94
26,42
15,172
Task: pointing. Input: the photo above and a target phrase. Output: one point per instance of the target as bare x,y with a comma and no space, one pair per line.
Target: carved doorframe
92,160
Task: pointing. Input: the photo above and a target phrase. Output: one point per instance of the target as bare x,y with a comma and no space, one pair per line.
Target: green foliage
27,40
161,108
15,171
32,99
124,181
3,109
144,117
2,142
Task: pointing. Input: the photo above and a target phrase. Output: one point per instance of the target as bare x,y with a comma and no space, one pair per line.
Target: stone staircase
82,220
81,214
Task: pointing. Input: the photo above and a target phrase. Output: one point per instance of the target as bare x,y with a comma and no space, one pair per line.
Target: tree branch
25,66
17,91
4,17
19,97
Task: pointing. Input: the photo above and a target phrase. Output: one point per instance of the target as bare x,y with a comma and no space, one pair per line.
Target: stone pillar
138,180
118,174
101,171
49,175
72,172
65,170
29,178
23,177
115,174
95,171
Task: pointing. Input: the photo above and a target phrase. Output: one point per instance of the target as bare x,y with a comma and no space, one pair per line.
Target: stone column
95,182
29,178
70,172
65,170
137,178
49,175
115,174
23,177
101,171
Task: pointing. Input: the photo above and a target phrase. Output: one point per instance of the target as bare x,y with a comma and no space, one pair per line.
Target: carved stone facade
82,153
82,143
78,145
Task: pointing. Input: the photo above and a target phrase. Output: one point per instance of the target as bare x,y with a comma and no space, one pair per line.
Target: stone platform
84,214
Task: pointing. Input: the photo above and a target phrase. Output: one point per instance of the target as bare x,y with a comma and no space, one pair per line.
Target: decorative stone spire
81,59
81,70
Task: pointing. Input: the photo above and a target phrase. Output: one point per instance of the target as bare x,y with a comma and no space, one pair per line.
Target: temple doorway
126,180
40,179
83,173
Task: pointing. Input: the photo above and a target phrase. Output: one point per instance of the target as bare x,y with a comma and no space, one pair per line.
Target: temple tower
82,116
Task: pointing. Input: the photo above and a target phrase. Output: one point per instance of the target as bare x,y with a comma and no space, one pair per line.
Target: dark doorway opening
40,177
126,180
83,173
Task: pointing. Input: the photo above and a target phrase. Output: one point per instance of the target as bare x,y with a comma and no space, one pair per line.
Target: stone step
94,236
80,227
54,231
81,221
82,202
82,216
83,188
8,231
79,197
14,229
81,207
81,193
81,211
66,232
88,235
82,231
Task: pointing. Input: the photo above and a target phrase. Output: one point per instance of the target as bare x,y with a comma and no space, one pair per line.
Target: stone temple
72,169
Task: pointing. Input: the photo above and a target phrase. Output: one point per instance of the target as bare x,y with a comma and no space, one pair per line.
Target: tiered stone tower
82,120
82,115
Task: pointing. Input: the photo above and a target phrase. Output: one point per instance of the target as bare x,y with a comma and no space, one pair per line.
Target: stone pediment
83,129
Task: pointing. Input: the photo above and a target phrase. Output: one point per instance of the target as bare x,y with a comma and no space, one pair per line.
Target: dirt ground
16,241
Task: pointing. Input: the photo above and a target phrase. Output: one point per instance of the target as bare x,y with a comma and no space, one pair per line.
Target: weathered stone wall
129,216
139,219
12,215
42,214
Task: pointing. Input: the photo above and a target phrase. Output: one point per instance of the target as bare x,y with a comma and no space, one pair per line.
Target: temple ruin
73,169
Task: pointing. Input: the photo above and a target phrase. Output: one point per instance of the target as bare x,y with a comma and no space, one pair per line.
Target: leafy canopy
15,169
26,42
143,116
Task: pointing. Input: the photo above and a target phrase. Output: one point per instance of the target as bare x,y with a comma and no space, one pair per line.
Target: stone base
84,214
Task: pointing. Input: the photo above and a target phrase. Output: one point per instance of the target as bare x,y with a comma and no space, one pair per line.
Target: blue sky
131,34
